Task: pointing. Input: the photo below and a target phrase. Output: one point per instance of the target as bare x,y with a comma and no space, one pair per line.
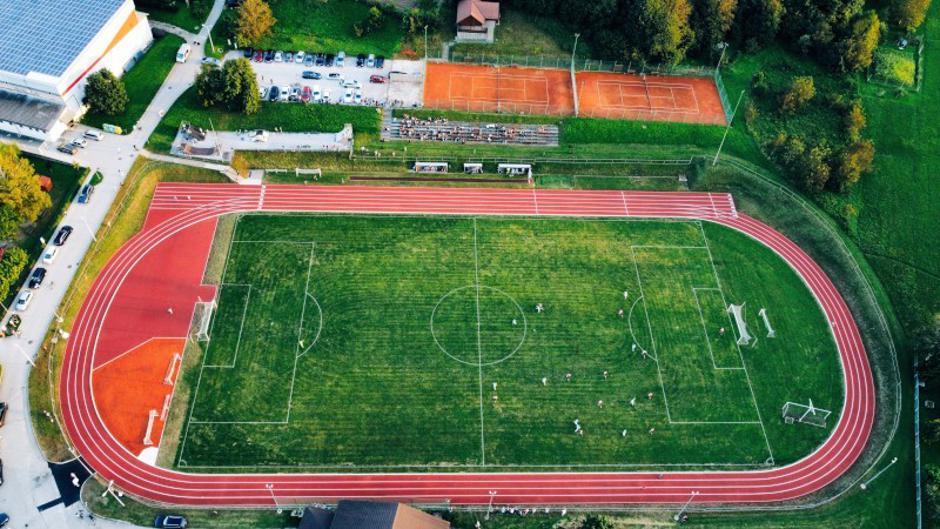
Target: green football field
365,343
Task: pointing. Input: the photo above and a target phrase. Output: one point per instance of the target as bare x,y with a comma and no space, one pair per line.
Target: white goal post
737,311
794,412
204,311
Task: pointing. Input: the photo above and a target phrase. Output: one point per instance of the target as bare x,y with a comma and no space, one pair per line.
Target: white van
183,53
93,135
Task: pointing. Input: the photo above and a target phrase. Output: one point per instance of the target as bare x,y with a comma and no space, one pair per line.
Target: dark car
85,194
248,52
336,75
170,522
360,60
259,55
3,412
309,59
380,62
274,93
328,61
269,56
4,519
35,280
68,148
309,74
321,59
62,236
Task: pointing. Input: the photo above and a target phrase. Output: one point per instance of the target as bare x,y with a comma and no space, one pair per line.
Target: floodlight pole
728,128
489,507
864,486
425,43
270,487
574,49
87,227
679,514
26,356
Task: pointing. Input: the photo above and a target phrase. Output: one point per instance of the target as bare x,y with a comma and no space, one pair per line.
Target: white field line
241,328
476,273
649,325
701,316
747,376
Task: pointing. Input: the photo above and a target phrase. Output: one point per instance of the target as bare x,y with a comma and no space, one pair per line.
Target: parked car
285,94
248,52
310,74
269,56
3,412
357,98
306,94
336,75
93,135
278,57
85,194
316,95
340,58
170,521
68,148
288,57
273,93
370,61
299,57
4,518
36,278
259,55
329,59
259,136
49,256
212,60
263,92
360,60
22,301
348,96
377,79
309,59
62,236
380,62
294,93
320,59
325,98
80,142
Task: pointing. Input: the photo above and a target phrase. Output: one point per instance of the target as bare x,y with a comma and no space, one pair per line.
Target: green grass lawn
342,333
66,180
142,83
290,117
181,18
524,33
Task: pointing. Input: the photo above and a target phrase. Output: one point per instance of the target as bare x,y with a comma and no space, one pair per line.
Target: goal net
737,311
794,412
203,315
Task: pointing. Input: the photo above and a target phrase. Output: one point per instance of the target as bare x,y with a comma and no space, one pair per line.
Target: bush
802,90
894,67
105,93
11,266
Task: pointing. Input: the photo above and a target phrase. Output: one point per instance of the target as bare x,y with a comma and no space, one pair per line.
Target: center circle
478,325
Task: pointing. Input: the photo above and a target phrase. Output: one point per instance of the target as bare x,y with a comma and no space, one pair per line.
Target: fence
723,94
580,64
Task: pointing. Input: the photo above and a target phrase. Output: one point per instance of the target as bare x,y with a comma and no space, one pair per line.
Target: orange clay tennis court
513,90
650,97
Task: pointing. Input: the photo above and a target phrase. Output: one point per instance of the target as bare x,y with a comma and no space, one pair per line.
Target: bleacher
409,128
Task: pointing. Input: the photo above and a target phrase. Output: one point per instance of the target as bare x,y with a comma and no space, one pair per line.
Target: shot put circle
478,328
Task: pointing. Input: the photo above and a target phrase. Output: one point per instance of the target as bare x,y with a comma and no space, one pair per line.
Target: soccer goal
794,412
737,311
204,311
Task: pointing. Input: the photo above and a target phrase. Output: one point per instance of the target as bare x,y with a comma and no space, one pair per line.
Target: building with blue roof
48,48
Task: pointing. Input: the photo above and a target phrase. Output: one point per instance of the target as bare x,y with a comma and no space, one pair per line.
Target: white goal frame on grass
207,310
794,412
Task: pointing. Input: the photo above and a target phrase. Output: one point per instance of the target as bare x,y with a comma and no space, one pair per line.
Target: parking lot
403,86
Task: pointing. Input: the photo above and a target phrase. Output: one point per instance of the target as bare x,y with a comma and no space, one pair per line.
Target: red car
259,56
306,94
378,79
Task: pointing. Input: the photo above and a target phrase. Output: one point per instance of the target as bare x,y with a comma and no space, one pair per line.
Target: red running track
177,207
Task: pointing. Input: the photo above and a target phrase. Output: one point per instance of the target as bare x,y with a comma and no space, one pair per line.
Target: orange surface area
650,97
131,385
474,88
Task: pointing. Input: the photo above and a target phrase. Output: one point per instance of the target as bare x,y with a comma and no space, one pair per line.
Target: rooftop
45,36
28,111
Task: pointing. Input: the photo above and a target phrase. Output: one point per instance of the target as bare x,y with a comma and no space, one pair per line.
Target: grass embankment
183,17
142,514
525,33
288,117
124,219
142,83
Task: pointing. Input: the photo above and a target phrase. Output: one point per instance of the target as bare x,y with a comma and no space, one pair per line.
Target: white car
49,256
278,57
299,57
348,96
326,96
22,301
284,94
263,92
212,60
358,97
80,142
259,136
317,95
340,59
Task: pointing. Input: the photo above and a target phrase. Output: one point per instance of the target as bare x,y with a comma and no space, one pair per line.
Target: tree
932,491
105,93
757,22
11,266
858,49
659,30
595,521
373,22
19,185
240,90
9,223
854,161
910,14
253,23
854,120
210,82
932,431
712,20
927,350
802,90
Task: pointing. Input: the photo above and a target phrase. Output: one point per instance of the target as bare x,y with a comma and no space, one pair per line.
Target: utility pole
728,128
574,49
679,514
425,43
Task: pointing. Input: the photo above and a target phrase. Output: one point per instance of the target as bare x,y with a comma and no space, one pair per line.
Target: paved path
27,480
